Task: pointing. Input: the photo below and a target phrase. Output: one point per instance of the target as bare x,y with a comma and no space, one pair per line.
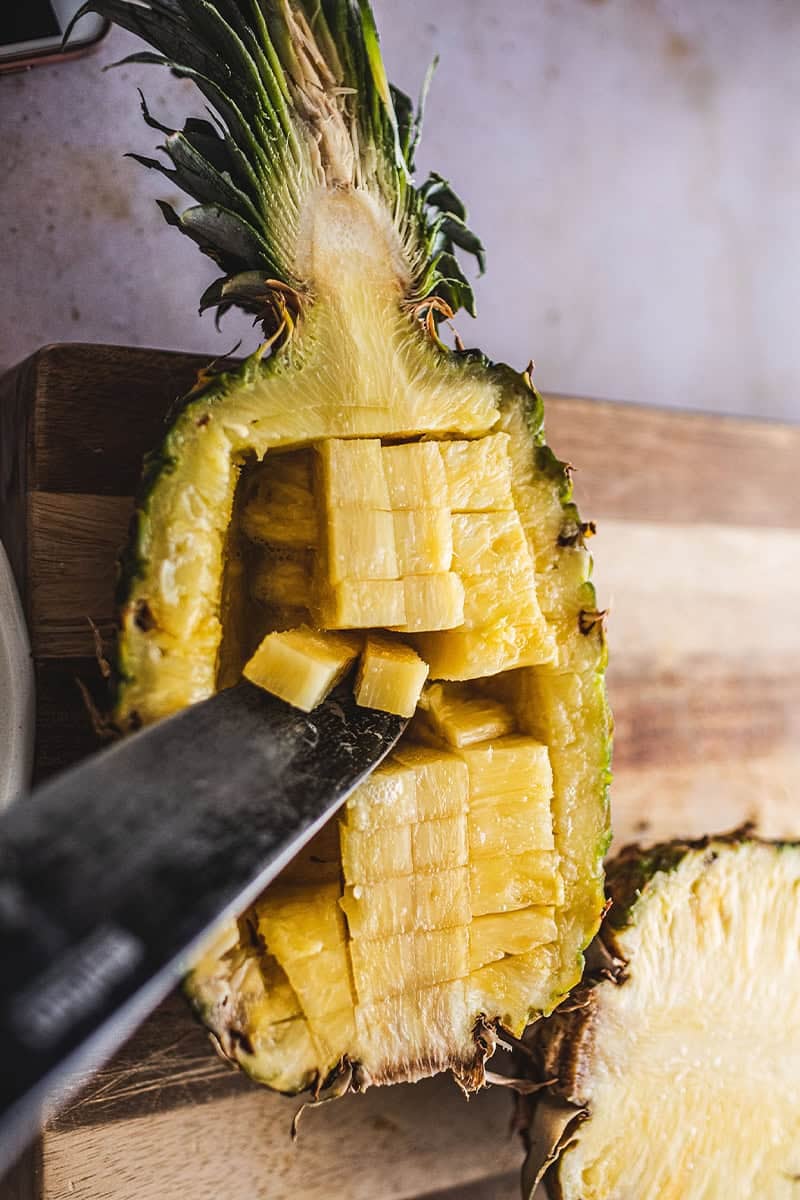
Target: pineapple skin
647,889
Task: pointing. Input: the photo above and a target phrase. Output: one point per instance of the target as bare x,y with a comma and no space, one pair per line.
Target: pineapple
353,489
673,1069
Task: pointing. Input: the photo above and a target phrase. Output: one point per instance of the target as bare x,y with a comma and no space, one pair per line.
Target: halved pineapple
673,1069
363,476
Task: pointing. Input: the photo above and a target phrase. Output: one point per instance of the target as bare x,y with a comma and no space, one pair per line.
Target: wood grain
697,552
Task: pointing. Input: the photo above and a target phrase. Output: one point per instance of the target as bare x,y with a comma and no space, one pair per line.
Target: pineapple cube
442,781
391,677
415,475
487,543
352,474
382,968
423,540
441,955
381,854
515,881
510,597
420,1023
461,718
494,936
380,910
282,579
478,474
510,826
321,982
387,798
437,845
510,764
300,922
300,665
432,602
441,899
360,545
362,604
511,983
476,653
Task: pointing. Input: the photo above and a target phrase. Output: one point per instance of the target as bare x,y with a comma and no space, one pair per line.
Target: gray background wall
632,165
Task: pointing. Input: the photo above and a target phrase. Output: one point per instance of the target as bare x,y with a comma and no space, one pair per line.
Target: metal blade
112,873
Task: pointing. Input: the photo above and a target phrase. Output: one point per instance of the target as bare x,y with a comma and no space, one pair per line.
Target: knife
113,874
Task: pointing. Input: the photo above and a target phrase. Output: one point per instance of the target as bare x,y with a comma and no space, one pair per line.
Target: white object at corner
17,714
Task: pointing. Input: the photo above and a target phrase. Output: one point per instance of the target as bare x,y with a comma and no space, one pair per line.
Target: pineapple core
435,896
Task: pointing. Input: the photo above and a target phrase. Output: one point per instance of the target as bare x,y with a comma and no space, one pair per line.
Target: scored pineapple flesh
435,897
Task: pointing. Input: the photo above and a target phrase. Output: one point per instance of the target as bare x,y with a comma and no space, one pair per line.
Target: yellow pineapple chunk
300,922
381,854
515,881
442,781
432,602
391,677
478,474
510,825
441,955
415,475
362,604
282,509
382,909
461,718
360,545
508,765
511,984
387,798
473,654
382,968
485,543
282,579
301,665
437,845
441,899
333,1030
423,540
322,981
352,474
498,934
503,597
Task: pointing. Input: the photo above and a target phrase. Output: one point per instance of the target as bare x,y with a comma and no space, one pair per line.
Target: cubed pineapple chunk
387,798
391,677
512,984
442,781
473,654
321,982
498,934
432,602
487,543
461,718
510,764
515,881
301,665
437,845
441,955
510,825
362,604
415,475
505,596
441,899
382,968
282,579
424,540
352,474
300,922
381,854
360,545
478,474
381,909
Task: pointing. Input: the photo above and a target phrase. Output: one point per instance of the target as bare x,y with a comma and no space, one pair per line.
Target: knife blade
113,873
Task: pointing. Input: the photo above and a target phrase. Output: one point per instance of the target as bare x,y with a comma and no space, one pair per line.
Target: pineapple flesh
356,490
676,1062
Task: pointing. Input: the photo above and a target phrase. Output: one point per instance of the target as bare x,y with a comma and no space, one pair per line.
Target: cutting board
698,553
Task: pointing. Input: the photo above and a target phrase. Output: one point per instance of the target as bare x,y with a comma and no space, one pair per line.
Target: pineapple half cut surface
677,1060
358,490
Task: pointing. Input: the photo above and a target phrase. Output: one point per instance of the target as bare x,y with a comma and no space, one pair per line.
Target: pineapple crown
298,98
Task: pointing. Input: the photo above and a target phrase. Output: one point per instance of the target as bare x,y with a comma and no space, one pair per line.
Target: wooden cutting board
698,553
